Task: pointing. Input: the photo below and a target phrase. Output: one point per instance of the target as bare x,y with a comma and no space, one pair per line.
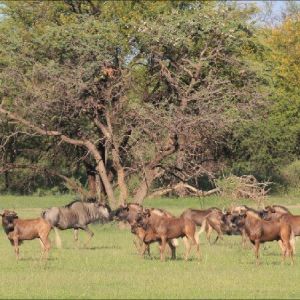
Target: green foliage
240,83
291,174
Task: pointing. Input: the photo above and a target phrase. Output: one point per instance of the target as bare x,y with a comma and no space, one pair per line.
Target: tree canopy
126,98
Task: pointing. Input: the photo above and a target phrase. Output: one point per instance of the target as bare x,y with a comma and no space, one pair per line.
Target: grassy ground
110,267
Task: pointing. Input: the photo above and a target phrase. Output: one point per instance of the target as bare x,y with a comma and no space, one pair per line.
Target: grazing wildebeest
129,212
76,215
260,231
275,212
18,230
164,229
198,216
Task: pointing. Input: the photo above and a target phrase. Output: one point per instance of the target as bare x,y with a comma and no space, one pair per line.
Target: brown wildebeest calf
275,212
237,210
129,213
19,230
198,216
166,229
217,220
261,231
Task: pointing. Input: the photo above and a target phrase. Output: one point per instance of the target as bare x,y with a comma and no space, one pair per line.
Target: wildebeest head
127,212
227,226
238,220
8,217
142,218
103,210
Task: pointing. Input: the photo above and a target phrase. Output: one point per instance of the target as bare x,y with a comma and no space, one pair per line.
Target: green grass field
111,268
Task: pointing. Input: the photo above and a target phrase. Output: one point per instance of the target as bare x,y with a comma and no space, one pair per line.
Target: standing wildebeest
165,229
237,210
275,212
76,215
217,220
19,230
198,216
129,213
260,231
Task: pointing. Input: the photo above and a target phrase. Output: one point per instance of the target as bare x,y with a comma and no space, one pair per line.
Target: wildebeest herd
149,225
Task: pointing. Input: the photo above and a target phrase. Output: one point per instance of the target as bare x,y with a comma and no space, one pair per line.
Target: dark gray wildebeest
76,215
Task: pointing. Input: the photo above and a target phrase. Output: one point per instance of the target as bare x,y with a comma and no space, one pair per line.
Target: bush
291,174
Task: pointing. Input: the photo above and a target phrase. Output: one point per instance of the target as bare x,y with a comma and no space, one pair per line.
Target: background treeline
124,100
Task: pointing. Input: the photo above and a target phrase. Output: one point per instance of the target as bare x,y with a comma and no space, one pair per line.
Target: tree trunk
143,189
6,179
121,176
91,177
102,172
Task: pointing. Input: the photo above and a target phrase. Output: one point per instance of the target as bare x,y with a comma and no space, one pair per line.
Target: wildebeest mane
71,203
281,207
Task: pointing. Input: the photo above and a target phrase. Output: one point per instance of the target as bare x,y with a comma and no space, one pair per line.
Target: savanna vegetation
124,100
151,102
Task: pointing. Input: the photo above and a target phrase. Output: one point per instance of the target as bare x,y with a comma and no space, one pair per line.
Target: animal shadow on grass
37,259
100,247
178,258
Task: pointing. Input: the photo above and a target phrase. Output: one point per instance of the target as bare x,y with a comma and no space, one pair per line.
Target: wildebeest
275,212
129,213
237,210
217,220
19,230
260,231
165,229
76,215
198,216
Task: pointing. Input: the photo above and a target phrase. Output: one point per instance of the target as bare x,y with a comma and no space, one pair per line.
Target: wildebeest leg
162,248
257,244
75,234
219,234
145,248
281,247
89,232
292,242
47,245
139,244
244,239
16,245
187,248
173,250
43,248
192,238
57,238
288,251
208,233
